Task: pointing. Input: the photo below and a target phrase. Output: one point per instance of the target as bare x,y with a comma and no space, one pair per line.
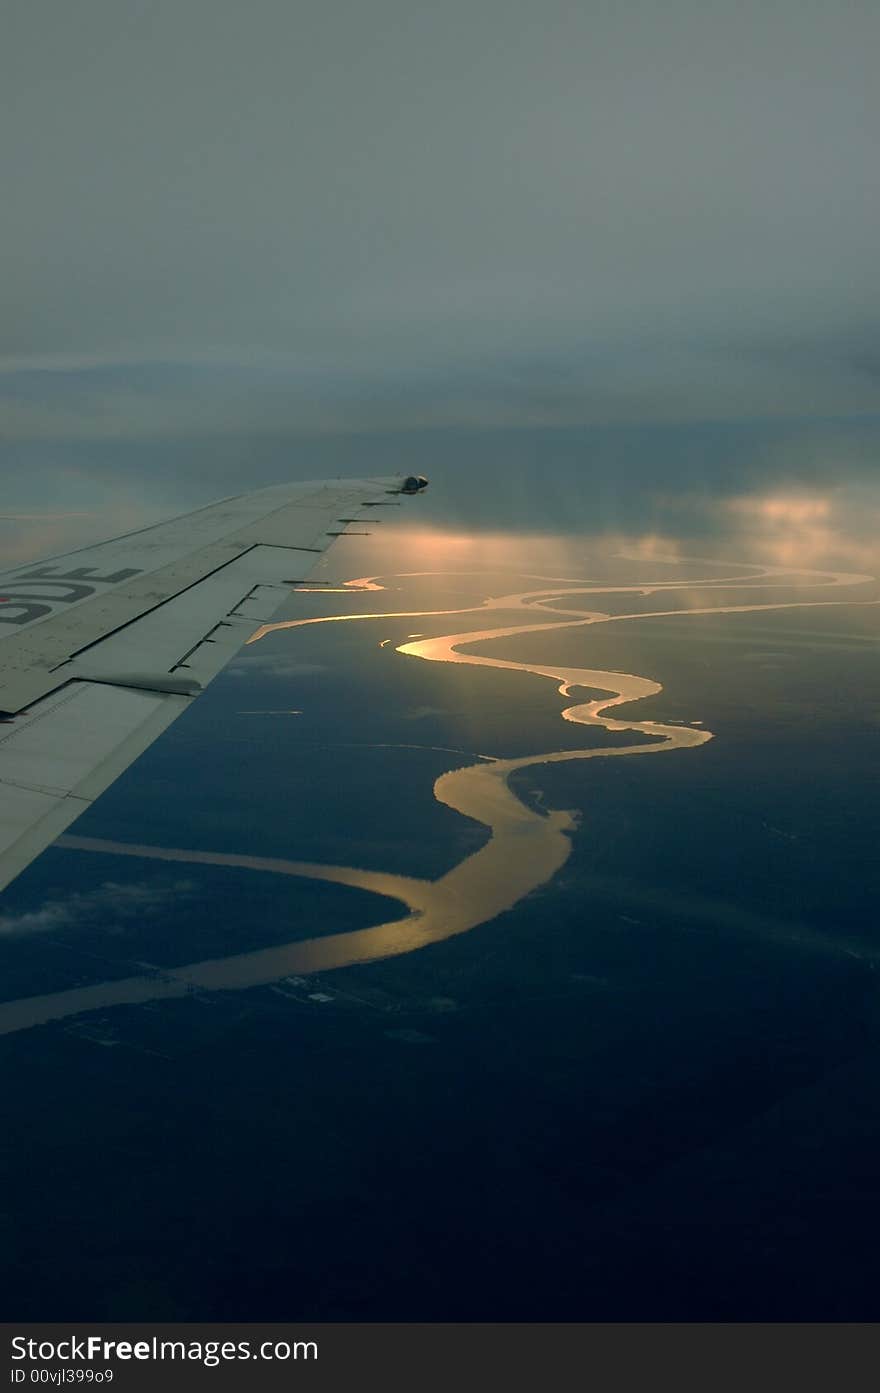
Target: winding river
526,846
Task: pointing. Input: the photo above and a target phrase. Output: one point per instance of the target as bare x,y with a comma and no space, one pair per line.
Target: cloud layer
112,904
333,217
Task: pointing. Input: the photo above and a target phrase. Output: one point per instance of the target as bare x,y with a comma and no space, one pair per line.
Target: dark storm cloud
325,216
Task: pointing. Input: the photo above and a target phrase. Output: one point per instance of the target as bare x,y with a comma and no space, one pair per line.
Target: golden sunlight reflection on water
526,847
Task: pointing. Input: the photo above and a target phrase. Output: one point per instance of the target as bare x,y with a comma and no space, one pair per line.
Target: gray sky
324,217
472,194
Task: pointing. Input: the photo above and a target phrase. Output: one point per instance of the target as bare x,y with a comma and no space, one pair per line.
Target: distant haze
249,242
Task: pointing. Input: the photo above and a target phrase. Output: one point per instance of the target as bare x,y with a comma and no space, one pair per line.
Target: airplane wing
101,648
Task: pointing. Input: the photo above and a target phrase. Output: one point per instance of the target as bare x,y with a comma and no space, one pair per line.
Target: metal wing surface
101,648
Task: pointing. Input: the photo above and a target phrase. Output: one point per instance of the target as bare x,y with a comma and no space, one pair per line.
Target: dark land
648,1092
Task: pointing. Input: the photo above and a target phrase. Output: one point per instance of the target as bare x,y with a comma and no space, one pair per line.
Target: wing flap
162,642
50,613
